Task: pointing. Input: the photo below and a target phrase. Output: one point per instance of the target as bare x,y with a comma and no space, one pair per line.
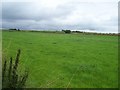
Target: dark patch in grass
54,43
30,43
87,68
47,54
41,51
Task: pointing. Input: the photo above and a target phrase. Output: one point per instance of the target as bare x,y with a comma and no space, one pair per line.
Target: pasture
58,60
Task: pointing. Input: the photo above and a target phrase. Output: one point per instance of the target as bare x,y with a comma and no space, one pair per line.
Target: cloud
61,14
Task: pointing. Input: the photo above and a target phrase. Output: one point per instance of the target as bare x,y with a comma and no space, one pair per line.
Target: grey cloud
69,15
27,11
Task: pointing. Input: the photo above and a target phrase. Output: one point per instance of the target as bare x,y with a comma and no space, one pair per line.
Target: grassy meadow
58,60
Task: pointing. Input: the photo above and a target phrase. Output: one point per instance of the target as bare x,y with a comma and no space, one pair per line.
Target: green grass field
65,60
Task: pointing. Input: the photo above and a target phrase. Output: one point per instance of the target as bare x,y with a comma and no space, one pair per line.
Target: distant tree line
94,33
14,29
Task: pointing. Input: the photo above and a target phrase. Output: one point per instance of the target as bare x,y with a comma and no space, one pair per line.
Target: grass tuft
10,75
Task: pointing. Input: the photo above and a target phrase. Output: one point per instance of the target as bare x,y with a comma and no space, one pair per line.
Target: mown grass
59,60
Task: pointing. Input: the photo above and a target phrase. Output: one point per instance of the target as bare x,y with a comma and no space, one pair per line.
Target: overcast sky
96,15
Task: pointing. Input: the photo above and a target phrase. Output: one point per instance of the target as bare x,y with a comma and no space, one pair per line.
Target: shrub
10,76
18,29
67,31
